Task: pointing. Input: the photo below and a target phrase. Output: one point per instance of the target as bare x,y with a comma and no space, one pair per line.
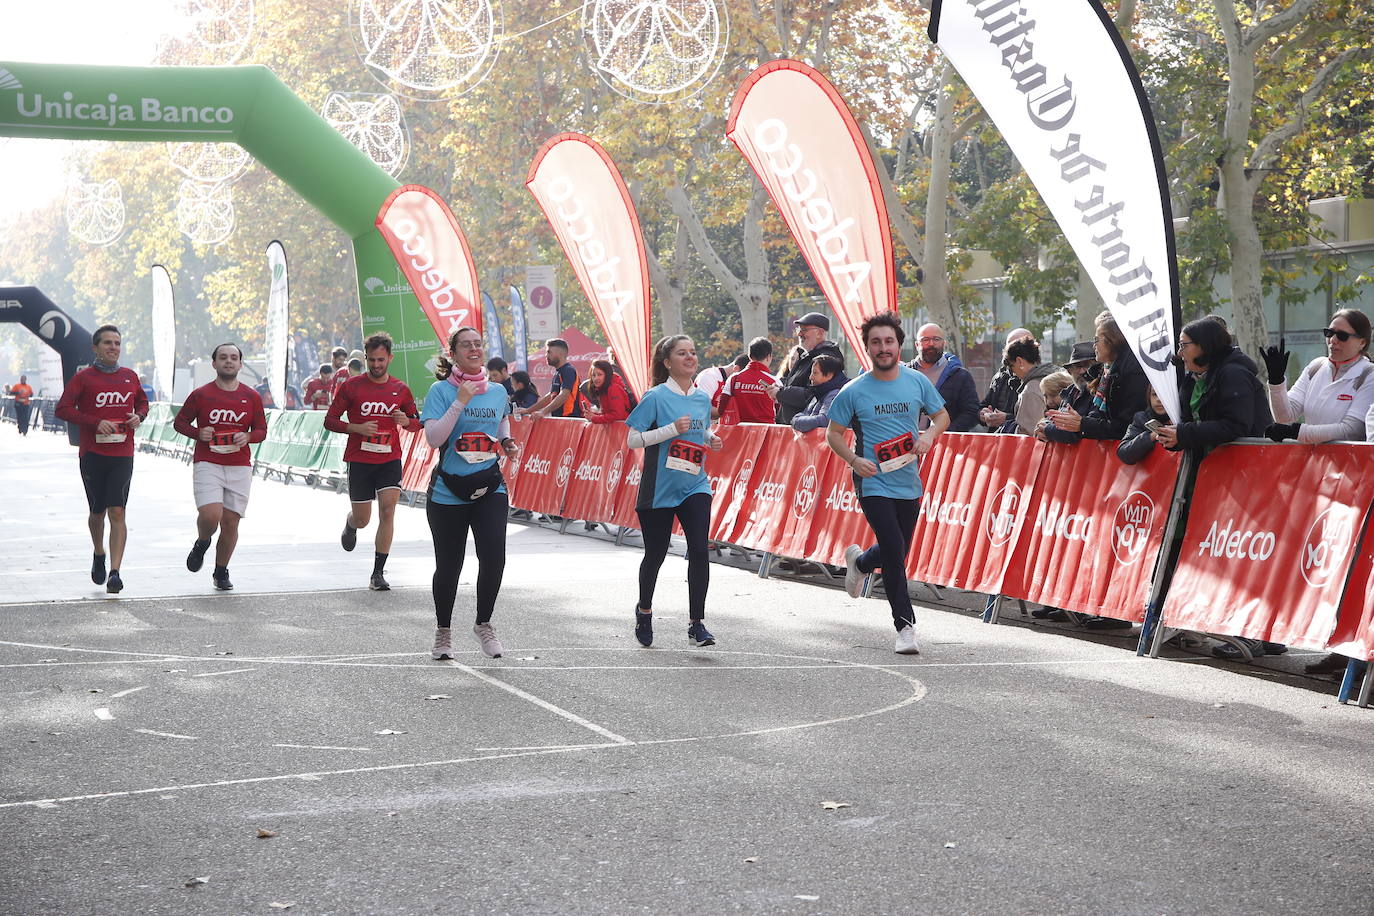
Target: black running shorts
365,481
107,480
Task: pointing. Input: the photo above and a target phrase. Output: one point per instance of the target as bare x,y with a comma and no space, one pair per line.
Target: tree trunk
1236,199
935,281
1090,305
668,283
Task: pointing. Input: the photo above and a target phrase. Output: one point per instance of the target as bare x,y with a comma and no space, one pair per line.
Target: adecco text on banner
818,214
601,272
1236,545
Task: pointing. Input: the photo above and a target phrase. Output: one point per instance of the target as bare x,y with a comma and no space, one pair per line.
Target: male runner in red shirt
317,389
107,403
378,406
223,418
744,397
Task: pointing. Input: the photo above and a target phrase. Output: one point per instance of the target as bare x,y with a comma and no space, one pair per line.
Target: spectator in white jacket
1331,398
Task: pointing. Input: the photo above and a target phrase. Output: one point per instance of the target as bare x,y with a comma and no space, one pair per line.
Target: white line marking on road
125,693
104,714
542,704
219,673
323,747
149,731
551,747
258,780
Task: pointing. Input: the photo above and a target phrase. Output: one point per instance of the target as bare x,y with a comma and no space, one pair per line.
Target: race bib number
379,443
120,434
897,452
474,448
223,444
684,456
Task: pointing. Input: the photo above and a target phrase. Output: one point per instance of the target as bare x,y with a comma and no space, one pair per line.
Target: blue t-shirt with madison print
479,423
884,417
676,469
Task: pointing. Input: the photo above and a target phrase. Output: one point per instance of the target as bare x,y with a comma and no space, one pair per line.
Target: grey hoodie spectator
827,378
1023,361
794,391
950,378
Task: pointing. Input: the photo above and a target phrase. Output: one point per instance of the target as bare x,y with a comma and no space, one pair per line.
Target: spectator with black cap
794,386
1082,367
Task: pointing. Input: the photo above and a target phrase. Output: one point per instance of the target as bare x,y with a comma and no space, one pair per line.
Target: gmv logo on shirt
374,409
112,398
225,415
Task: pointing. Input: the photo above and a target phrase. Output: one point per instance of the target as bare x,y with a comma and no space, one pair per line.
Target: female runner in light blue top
671,425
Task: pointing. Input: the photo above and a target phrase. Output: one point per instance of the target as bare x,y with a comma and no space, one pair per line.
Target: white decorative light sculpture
655,50
431,48
210,163
205,212
211,31
95,210
373,123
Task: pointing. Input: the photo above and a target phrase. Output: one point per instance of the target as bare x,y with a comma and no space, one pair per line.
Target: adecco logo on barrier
1236,545
1001,522
536,465
804,500
565,463
1131,527
941,512
1327,545
614,471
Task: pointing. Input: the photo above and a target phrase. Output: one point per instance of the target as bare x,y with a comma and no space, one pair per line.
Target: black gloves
1280,431
1276,362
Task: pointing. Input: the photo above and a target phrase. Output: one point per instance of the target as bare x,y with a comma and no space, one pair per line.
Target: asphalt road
799,766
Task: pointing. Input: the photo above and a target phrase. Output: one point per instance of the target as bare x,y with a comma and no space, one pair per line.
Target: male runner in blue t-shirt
884,407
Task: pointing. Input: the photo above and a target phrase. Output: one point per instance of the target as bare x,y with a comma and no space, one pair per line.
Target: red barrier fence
1273,534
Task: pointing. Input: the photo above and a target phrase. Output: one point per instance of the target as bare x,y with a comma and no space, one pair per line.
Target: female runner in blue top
671,425
468,421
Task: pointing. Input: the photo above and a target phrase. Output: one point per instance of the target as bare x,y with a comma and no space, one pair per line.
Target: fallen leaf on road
266,834
951,845
224,653
1218,705
280,906
197,882
95,690
438,696
752,859
388,731
834,805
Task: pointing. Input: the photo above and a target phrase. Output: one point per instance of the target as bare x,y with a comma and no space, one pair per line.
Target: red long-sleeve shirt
747,393
92,396
614,404
228,412
363,399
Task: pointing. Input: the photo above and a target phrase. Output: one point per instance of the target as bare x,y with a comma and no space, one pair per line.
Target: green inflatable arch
248,106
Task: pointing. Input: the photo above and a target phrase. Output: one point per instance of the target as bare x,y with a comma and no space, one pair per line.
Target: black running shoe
379,583
98,568
698,635
196,558
114,585
221,580
349,538
644,627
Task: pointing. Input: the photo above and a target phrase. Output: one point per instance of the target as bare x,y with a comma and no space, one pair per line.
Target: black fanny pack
469,487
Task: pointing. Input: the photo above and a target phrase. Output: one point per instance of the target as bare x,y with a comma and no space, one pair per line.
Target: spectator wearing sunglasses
1332,396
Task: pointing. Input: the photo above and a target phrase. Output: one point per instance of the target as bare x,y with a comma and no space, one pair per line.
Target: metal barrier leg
1347,681
993,609
563,525
935,590
1368,687
765,565
869,581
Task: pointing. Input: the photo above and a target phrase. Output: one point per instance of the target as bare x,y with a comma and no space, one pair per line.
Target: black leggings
657,526
449,525
893,522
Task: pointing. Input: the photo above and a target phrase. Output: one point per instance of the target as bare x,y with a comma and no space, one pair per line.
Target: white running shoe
486,638
443,643
906,641
853,578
